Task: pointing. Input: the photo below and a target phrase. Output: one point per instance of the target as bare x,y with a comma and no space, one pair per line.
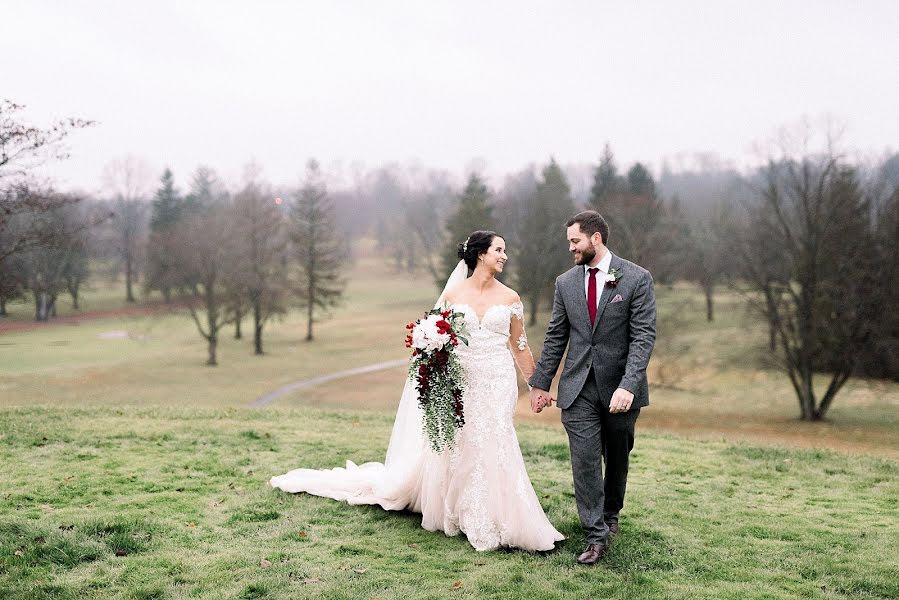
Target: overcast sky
444,83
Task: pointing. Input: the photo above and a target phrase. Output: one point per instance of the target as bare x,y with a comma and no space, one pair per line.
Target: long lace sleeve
518,342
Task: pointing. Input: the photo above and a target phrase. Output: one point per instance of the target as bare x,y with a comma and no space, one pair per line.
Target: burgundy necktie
591,295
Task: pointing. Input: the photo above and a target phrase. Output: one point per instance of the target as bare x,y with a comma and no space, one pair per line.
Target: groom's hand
621,401
539,399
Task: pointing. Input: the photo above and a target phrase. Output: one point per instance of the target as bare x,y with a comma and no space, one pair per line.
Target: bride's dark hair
477,244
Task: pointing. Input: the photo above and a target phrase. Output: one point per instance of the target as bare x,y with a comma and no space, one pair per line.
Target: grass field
171,502
130,469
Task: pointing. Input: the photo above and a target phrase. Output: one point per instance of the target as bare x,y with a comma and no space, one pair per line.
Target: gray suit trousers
596,435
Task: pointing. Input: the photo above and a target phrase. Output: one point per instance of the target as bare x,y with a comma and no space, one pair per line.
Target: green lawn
166,502
130,469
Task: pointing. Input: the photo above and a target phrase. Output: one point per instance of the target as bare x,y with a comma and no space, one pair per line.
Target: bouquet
438,374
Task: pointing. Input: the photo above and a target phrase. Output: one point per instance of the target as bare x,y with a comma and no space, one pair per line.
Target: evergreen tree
605,180
167,204
166,212
318,246
638,223
473,214
640,182
544,253
202,190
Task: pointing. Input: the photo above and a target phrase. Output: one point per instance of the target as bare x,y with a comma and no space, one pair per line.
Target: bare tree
78,221
204,256
22,202
60,263
261,277
12,282
127,179
23,146
318,247
711,261
817,279
22,206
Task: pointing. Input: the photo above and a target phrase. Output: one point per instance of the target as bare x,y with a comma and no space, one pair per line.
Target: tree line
809,239
222,255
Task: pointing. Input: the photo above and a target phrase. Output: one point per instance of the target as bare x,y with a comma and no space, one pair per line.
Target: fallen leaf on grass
302,535
121,552
265,563
456,586
19,552
413,545
360,571
191,524
311,580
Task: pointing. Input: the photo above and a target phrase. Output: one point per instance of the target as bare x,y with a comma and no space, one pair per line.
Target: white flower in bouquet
426,336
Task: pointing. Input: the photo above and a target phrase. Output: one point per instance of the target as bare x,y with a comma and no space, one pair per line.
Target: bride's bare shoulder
510,295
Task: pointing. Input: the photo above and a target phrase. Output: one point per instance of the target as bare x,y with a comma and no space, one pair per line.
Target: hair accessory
465,246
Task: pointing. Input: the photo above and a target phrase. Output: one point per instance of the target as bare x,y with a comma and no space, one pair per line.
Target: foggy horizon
448,87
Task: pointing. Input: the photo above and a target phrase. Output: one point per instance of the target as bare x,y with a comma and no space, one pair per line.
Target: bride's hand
538,399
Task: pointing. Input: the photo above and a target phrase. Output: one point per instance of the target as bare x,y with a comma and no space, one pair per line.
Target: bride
480,486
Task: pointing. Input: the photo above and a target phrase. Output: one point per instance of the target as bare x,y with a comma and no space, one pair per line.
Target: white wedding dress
480,486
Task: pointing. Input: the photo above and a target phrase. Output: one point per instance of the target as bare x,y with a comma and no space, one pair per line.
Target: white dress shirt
603,267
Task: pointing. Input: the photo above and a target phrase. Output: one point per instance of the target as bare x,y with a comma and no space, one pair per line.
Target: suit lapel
606,292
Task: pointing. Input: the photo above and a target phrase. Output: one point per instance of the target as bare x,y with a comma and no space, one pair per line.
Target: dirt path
305,383
90,315
778,431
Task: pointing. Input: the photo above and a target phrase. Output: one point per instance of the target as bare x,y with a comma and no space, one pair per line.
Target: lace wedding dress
479,487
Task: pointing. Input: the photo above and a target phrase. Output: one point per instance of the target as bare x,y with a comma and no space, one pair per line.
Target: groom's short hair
590,222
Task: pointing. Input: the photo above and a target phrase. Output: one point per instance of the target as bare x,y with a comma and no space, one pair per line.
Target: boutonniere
613,277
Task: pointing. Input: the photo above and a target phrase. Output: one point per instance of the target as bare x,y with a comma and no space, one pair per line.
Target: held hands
621,401
540,399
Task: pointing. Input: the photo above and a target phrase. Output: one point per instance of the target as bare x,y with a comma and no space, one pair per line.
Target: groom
604,312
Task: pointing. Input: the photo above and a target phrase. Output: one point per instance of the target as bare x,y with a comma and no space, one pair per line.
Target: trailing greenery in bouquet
438,374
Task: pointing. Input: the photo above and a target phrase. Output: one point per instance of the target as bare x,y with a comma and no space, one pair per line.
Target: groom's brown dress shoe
613,529
592,554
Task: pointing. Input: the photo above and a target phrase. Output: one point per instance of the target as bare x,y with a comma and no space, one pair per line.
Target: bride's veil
395,484
407,443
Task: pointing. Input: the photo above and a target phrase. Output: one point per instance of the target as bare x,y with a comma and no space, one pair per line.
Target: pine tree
544,253
166,212
636,215
606,181
640,182
202,190
167,204
473,214
317,246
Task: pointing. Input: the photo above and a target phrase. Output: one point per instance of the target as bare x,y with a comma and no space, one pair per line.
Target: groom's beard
586,257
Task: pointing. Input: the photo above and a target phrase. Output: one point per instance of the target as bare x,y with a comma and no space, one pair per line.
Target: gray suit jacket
617,347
